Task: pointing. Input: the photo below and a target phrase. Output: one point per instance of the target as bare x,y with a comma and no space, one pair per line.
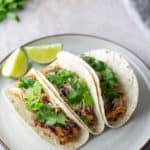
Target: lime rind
43,54
16,65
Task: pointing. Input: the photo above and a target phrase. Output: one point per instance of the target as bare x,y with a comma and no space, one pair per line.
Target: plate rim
77,34
82,35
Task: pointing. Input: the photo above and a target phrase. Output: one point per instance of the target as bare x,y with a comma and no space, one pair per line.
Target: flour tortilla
125,75
14,98
83,73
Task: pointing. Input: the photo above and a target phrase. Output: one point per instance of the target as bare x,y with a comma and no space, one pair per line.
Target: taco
45,114
117,85
74,87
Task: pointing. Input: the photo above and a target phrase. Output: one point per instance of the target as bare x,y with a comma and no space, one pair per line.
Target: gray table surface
106,18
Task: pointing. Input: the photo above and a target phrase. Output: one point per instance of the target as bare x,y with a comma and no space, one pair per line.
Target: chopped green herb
89,60
74,97
65,74
84,118
97,65
26,82
79,91
51,118
108,75
45,114
8,8
61,118
34,105
111,94
108,80
60,78
87,98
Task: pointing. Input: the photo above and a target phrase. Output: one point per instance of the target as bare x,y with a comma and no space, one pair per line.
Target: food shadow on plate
92,137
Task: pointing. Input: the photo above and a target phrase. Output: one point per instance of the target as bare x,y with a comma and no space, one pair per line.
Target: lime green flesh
16,65
43,54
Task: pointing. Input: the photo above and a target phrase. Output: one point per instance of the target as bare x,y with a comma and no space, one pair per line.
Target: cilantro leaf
3,15
60,78
51,120
89,60
65,74
96,64
80,93
61,118
108,74
13,16
34,105
76,95
43,113
47,115
84,119
56,80
26,82
8,8
99,65
87,98
111,94
108,80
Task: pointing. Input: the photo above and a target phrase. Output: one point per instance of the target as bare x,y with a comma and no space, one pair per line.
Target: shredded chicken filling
116,108
66,132
86,112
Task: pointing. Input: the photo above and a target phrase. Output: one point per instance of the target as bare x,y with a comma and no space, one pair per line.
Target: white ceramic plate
132,136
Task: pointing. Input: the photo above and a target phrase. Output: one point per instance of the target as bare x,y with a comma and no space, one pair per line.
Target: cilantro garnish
84,119
107,77
26,82
96,64
8,8
87,98
60,78
78,93
33,96
50,117
74,97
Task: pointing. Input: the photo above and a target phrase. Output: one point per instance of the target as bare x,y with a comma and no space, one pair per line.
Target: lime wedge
43,54
16,65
